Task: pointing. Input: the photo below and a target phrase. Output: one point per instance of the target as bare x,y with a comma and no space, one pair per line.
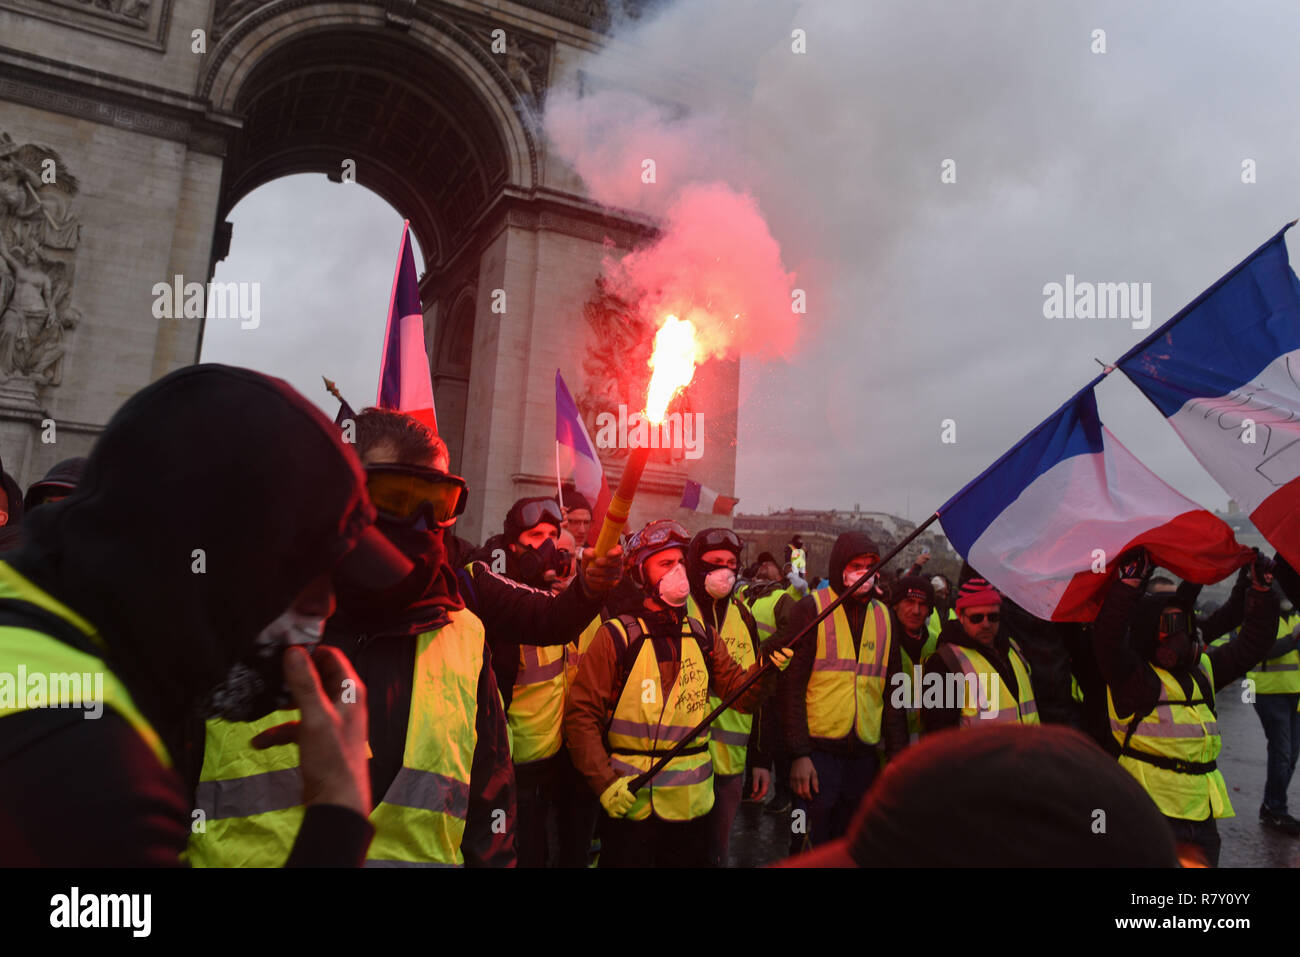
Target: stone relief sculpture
38,242
617,365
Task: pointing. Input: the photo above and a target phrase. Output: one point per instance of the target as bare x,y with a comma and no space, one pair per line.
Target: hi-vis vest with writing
979,676
846,694
799,562
648,722
1173,750
729,736
251,800
37,653
536,714
1280,675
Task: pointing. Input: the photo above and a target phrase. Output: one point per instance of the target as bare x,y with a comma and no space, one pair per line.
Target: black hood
64,477
15,495
848,547
209,457
696,572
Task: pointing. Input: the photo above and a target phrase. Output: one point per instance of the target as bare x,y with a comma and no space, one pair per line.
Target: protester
772,602
943,604
577,515
11,512
910,605
58,483
1015,795
1162,680
641,686
1277,696
711,561
536,698
566,561
983,673
796,557
837,721
186,616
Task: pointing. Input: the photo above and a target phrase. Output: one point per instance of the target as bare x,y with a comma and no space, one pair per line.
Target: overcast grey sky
925,298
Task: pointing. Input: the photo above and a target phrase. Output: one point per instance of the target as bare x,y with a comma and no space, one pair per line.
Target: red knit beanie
976,592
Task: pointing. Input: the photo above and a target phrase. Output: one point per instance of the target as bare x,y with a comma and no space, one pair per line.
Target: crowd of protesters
297,662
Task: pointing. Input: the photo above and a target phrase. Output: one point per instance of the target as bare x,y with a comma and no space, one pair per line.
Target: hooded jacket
792,688
211,500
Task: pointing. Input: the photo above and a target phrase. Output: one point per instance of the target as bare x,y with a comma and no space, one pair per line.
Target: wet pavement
759,838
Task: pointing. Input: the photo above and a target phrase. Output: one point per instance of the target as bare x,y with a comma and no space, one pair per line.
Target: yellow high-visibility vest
1179,730
575,650
648,721
978,675
252,800
64,670
846,694
934,624
729,735
536,714
927,649
1280,675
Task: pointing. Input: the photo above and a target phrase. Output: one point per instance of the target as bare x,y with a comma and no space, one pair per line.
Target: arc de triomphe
130,128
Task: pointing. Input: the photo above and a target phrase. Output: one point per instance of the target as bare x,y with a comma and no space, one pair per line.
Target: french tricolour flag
576,456
1225,372
404,382
701,498
1047,522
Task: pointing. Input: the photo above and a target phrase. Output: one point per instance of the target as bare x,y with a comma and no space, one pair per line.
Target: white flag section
1225,372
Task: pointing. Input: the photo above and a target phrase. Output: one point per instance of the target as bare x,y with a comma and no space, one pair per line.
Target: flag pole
559,486
811,628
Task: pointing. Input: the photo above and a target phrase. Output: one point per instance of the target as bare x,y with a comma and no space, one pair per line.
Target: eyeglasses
719,538
535,512
978,618
405,492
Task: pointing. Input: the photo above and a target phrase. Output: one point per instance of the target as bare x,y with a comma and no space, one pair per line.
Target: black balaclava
713,609
212,458
1178,652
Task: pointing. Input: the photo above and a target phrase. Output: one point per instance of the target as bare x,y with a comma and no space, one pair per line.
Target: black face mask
1177,651
424,547
532,564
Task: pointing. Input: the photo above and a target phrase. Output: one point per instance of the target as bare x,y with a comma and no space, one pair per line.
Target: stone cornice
125,104
552,210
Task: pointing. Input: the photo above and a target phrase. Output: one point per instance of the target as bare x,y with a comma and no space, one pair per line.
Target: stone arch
433,123
452,360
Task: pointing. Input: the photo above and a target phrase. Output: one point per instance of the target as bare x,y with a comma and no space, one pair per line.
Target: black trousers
654,843
578,808
537,785
1204,834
